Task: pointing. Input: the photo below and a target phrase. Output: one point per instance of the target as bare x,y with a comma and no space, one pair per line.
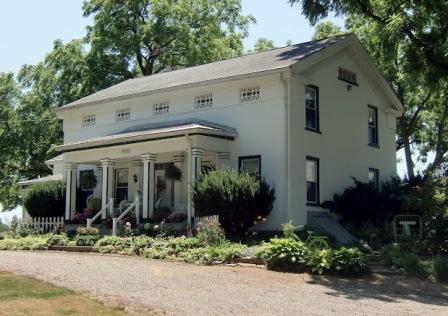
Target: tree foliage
326,29
263,43
154,35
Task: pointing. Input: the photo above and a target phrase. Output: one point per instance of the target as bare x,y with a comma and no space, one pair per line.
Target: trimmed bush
349,261
441,269
284,254
45,199
240,199
320,261
37,242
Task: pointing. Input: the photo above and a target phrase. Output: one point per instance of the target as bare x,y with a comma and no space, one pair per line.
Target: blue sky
28,28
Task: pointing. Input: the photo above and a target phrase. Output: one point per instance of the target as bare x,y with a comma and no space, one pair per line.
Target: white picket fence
46,224
210,218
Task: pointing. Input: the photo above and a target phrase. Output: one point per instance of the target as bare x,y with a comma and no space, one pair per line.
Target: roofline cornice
174,88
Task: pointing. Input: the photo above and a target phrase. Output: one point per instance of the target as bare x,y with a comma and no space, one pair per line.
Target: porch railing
135,205
104,209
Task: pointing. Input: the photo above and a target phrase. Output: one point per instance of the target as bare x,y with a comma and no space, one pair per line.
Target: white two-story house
307,117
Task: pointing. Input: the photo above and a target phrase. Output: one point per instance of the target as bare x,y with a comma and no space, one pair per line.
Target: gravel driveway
181,289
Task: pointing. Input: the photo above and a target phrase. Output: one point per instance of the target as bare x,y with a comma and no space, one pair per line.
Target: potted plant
87,236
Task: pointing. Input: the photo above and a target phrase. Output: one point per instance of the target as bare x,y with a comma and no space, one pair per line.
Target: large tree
326,29
155,35
408,43
9,93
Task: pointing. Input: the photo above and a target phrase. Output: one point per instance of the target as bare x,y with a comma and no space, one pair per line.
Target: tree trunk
407,149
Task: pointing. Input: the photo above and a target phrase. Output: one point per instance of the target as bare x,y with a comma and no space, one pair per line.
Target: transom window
203,101
88,120
311,108
312,180
347,75
161,108
374,180
373,125
123,115
251,164
250,94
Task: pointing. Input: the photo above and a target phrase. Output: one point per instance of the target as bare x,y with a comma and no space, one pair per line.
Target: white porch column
222,159
194,172
148,184
70,189
108,183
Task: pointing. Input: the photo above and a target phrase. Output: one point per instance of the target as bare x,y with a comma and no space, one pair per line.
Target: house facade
306,117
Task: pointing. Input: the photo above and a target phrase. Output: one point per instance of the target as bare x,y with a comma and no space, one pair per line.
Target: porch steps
377,265
323,222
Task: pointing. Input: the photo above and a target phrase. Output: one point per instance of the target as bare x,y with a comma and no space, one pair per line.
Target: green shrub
160,213
240,199
84,231
38,242
23,230
349,261
210,233
284,254
57,240
320,261
441,269
391,254
412,265
45,199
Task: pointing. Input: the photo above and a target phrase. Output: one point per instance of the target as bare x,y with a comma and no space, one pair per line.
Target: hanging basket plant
88,180
172,172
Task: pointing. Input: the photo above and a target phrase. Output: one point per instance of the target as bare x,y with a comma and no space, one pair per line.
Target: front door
121,185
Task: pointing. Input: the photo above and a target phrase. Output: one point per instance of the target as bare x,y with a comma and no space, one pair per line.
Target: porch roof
154,131
50,178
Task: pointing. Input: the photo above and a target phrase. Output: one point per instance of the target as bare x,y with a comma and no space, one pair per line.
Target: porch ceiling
154,131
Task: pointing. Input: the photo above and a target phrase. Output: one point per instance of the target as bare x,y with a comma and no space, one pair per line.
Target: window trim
241,158
317,202
377,143
317,129
377,177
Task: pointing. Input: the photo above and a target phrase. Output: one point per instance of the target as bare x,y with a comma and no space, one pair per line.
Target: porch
135,167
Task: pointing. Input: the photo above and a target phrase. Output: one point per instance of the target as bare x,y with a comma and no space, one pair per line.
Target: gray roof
151,131
177,123
247,64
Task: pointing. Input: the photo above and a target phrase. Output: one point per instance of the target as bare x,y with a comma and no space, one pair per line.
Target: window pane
311,118
372,117
311,191
311,171
373,178
122,178
310,98
251,165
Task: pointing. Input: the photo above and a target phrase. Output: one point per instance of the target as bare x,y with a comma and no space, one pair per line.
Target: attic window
88,120
203,101
161,108
347,76
122,115
250,94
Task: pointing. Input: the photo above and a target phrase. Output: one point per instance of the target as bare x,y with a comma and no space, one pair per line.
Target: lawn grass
20,295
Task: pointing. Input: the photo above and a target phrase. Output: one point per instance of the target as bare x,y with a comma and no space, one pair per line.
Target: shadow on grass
386,288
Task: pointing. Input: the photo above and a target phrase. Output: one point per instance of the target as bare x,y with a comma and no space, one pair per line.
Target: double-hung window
312,180
373,126
251,164
312,108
